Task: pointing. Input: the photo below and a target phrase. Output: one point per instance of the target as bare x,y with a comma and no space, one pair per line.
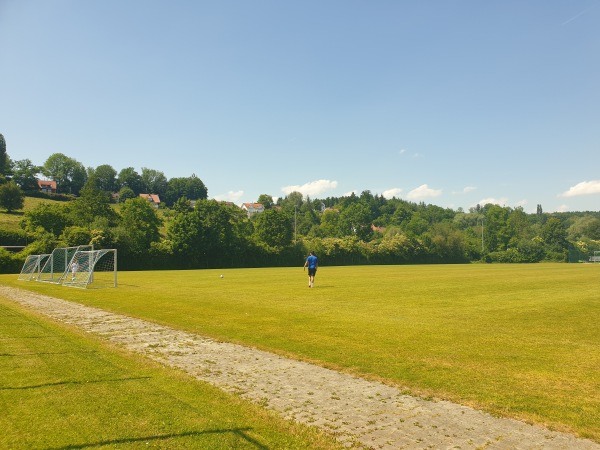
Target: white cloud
423,191
583,188
312,188
394,192
465,190
494,201
230,196
522,203
562,208
349,193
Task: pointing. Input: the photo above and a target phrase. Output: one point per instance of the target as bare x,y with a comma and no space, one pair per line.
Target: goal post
92,269
32,266
58,263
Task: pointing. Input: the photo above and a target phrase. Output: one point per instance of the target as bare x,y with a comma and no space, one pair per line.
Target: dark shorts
312,272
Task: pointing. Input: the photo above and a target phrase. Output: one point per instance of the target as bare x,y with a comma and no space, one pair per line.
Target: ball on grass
221,276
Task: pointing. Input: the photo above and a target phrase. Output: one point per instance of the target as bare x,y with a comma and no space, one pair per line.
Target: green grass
519,341
62,390
11,221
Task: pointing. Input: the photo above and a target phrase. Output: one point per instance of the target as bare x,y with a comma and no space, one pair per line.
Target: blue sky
452,103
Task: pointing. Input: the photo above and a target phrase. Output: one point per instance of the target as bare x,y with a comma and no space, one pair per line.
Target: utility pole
482,236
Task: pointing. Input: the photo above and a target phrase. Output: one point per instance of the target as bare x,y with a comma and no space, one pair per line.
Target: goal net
92,269
58,263
32,266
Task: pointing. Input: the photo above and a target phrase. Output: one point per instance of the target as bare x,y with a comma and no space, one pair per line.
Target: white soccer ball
221,276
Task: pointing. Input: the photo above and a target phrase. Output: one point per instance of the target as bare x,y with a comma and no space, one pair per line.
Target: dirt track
362,414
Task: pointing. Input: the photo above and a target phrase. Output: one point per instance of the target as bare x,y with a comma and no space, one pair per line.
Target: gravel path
360,413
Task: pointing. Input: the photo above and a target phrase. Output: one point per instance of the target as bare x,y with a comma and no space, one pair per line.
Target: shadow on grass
64,383
239,432
47,353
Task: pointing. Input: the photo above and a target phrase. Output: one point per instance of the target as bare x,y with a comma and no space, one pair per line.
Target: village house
48,186
154,199
253,208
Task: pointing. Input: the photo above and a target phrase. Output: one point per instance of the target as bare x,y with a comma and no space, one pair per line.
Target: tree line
354,229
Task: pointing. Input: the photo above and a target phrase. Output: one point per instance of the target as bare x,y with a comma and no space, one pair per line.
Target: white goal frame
58,263
596,257
32,267
92,269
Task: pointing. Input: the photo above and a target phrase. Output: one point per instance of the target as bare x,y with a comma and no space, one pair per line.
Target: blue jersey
312,261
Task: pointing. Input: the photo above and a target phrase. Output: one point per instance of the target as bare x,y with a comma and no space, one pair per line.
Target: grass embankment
521,341
62,390
11,221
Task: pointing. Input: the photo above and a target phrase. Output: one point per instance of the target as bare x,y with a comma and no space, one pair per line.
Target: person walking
312,262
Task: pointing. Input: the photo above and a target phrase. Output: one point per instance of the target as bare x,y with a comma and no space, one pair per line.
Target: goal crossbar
92,269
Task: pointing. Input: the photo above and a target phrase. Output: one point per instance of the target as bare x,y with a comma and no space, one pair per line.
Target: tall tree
154,182
92,204
69,174
25,174
11,197
191,187
130,178
140,225
106,177
274,228
50,217
356,220
265,200
4,160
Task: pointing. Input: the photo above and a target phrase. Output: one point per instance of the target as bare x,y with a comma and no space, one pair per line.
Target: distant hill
11,221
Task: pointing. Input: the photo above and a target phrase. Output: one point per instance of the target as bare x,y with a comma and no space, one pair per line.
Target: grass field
519,341
62,390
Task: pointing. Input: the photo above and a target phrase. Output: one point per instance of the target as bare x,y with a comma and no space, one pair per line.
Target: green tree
126,193
4,159
211,233
356,220
191,187
128,177
91,205
106,177
69,174
554,235
273,228
11,197
140,225
292,201
50,217
329,223
74,236
265,200
154,182
496,231
25,174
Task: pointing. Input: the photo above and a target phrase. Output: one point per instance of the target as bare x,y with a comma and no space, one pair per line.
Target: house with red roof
48,186
154,199
253,208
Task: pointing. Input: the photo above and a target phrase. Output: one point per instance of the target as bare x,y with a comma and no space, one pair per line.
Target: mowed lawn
519,341
62,390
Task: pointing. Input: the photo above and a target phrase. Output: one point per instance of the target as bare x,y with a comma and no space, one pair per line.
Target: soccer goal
596,257
58,263
32,267
92,269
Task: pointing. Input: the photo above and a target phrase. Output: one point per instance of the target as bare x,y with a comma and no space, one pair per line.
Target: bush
10,262
8,237
49,196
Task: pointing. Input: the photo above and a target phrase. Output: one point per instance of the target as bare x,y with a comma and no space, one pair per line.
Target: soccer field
521,341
